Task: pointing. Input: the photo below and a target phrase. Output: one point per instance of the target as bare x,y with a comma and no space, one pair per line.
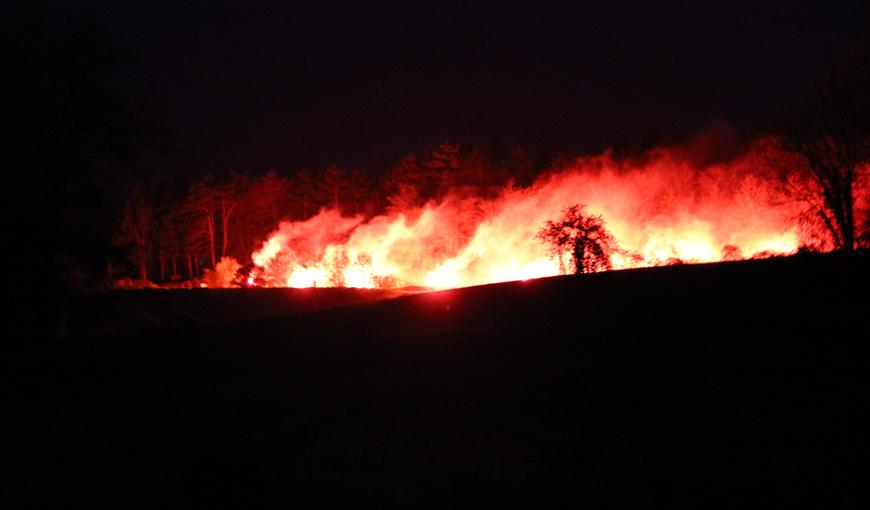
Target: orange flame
659,211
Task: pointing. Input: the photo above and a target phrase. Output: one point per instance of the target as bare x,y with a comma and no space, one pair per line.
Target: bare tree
583,235
201,205
229,195
830,137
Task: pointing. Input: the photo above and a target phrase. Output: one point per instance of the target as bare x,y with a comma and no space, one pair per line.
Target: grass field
722,385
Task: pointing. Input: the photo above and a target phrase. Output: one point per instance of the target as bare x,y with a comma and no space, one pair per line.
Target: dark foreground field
104,314
728,385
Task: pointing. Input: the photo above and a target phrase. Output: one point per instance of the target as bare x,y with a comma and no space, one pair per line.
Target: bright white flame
660,211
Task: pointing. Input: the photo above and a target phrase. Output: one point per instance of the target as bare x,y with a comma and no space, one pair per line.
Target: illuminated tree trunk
226,213
201,202
143,262
189,266
135,231
224,230
211,242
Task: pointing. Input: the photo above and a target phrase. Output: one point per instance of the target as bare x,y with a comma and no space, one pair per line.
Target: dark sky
285,85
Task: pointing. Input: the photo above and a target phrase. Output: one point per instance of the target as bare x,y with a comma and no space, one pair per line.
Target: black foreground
723,385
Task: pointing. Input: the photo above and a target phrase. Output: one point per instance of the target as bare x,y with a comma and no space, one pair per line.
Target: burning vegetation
453,217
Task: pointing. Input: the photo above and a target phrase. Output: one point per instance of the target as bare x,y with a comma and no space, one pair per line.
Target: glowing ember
660,211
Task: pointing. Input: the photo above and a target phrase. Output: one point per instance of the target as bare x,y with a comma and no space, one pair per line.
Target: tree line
171,229
71,124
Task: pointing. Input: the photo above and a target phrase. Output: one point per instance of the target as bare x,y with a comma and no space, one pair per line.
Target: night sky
288,86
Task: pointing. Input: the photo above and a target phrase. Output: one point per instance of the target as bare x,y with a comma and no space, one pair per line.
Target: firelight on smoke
660,211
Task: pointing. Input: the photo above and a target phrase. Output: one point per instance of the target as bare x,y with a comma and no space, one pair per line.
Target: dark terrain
728,385
102,314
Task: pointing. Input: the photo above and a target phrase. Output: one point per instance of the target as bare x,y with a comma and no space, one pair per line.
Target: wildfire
660,212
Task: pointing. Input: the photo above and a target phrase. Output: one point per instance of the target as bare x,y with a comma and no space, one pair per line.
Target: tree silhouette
583,235
403,186
830,136
332,188
135,230
444,169
230,194
266,203
359,199
200,206
303,189
270,196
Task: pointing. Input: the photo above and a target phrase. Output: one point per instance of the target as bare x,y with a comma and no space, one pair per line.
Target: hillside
685,386
114,313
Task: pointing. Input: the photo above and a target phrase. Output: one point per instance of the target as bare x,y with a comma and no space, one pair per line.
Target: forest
172,229
453,217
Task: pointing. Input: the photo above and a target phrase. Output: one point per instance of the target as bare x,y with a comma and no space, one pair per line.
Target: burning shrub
223,273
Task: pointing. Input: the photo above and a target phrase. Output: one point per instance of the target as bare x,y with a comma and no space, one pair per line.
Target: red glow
660,211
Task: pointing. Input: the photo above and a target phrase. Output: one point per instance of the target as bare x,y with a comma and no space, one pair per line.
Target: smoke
670,205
